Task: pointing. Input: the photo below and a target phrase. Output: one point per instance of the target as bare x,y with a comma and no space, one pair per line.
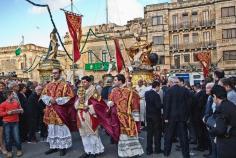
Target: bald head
173,81
209,87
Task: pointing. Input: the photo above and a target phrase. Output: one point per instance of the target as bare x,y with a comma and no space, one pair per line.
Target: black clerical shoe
92,156
192,142
85,155
62,152
158,151
178,148
199,149
207,155
149,152
50,151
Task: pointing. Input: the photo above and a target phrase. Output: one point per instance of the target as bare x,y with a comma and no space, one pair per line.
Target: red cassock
106,117
60,114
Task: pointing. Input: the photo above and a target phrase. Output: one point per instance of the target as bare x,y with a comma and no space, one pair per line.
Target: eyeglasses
55,72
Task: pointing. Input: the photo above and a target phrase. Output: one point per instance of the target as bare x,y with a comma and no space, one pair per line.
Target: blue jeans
11,133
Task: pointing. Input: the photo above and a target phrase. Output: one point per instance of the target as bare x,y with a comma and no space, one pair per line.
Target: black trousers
226,147
192,130
23,127
43,130
42,126
154,129
203,138
181,129
33,125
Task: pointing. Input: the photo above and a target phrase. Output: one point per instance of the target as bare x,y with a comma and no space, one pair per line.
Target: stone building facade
30,57
184,27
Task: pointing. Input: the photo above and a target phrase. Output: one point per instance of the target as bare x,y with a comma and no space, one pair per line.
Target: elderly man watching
33,113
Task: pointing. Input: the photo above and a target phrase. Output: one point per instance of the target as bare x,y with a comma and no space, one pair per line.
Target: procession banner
205,60
74,25
119,58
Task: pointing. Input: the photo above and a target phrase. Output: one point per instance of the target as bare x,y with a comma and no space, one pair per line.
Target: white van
192,77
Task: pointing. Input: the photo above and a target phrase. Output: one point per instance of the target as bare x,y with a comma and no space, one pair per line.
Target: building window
161,60
158,40
90,57
176,41
195,59
157,20
185,19
229,33
195,37
186,38
205,17
175,20
186,58
228,11
206,36
177,61
194,18
229,55
22,66
104,56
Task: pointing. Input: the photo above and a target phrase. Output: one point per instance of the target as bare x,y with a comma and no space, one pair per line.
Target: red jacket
7,106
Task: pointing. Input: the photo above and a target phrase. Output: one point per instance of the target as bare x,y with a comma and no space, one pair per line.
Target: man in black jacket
153,118
225,120
176,114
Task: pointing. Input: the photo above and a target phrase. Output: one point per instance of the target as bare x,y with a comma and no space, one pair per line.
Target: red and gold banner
119,58
205,59
74,24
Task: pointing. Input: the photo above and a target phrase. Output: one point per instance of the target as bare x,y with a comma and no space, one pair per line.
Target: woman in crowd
2,99
23,118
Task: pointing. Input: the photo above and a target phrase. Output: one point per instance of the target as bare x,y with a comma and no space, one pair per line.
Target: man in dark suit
153,118
200,100
176,114
33,111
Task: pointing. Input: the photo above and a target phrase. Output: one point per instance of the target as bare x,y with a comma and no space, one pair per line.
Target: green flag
18,51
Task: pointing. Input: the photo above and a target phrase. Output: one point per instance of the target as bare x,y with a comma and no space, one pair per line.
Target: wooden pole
73,64
107,20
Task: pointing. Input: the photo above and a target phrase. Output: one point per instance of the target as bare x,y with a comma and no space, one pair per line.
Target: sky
20,18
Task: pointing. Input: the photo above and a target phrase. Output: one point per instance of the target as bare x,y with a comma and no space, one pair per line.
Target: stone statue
53,44
139,52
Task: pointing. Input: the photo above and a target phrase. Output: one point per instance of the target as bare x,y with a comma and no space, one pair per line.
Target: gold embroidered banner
205,59
74,24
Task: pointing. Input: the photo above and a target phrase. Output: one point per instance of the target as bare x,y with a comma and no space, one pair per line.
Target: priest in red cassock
92,112
60,114
127,104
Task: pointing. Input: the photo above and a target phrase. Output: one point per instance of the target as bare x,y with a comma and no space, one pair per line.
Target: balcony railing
182,67
194,45
191,25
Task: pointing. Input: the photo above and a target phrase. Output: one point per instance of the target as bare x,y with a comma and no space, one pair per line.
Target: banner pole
73,65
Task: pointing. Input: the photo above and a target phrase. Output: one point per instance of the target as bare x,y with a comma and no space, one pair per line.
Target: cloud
53,4
120,11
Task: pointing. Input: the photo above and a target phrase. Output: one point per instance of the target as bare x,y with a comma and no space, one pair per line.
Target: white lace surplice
59,137
129,146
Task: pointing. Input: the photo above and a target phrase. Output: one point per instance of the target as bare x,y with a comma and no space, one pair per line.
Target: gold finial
81,94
